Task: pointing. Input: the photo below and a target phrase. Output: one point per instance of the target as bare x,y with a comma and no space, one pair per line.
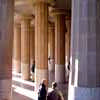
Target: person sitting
55,94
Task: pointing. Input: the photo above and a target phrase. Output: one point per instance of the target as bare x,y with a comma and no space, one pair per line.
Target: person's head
54,85
49,58
44,81
33,61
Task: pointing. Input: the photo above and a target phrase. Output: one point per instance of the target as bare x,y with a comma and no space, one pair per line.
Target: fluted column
67,39
85,51
67,46
51,47
59,46
25,47
17,47
6,44
60,29
41,41
32,45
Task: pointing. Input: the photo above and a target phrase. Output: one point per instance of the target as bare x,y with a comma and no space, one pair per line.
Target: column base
25,69
5,90
51,69
82,93
60,73
40,74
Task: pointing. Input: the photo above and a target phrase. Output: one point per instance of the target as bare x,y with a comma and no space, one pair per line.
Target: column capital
17,24
50,2
17,19
57,11
26,17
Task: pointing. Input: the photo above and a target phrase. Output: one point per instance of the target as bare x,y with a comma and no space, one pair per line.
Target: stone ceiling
25,6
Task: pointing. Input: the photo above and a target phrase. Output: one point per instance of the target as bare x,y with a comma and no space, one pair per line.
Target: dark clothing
68,66
55,95
42,92
33,68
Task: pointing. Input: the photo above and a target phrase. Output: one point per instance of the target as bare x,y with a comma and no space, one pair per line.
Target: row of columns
56,40
44,32
85,49
22,45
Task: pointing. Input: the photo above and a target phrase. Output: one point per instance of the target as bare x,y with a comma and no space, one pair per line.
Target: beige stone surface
41,38
25,47
32,45
67,39
6,44
60,39
17,47
51,40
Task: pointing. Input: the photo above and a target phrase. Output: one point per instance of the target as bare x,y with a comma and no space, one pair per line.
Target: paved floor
22,90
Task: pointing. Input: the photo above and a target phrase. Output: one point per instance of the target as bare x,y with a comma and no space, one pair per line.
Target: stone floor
22,90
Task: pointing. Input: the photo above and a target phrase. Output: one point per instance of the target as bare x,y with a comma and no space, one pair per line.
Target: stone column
32,45
60,29
25,47
67,39
51,47
17,47
6,44
67,45
85,51
41,41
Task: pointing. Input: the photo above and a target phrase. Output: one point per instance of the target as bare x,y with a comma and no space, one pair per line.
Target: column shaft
51,47
67,47
6,44
17,48
32,46
85,51
41,41
67,40
25,48
60,48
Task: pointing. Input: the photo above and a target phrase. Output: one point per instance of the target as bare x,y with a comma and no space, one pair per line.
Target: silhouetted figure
42,92
55,94
68,66
33,70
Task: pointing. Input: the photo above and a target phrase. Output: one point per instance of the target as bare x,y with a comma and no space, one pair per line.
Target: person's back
42,92
55,94
33,67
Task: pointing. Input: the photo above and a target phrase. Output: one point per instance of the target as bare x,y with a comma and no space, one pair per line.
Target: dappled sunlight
22,89
28,93
18,79
23,81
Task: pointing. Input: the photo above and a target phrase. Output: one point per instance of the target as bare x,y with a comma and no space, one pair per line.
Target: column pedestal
51,69
80,93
